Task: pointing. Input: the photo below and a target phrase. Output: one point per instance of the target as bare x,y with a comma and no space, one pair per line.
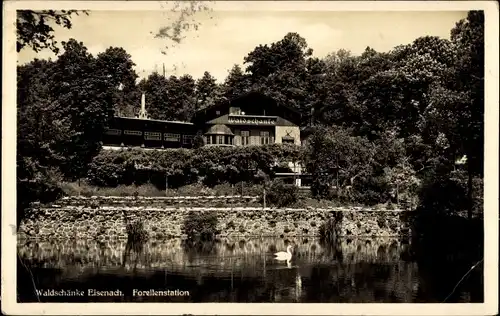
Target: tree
206,91
116,65
182,97
34,28
63,107
279,70
156,89
334,86
236,83
37,127
457,109
336,159
83,99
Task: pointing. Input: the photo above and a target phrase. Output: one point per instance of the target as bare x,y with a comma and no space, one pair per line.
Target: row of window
264,138
219,140
170,137
187,139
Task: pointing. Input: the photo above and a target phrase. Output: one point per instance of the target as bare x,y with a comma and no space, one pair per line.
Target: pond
375,270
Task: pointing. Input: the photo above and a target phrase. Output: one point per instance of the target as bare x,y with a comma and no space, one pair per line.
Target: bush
329,230
209,165
230,225
281,194
85,189
136,232
242,229
200,226
195,189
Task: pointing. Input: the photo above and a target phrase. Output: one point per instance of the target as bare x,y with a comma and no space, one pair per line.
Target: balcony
256,120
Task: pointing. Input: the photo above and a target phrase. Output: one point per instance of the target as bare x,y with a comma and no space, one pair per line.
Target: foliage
336,159
85,189
171,98
200,226
117,65
281,194
208,92
87,100
63,107
136,232
236,83
329,229
198,141
208,165
34,28
280,70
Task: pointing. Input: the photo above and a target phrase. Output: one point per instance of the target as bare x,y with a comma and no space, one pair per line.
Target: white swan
284,255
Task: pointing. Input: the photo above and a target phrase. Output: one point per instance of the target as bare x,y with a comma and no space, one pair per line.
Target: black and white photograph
300,154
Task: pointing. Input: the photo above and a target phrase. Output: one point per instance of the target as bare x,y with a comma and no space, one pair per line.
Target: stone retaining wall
107,219
160,201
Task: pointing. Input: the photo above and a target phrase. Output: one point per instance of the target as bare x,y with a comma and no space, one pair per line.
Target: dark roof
152,120
219,129
253,92
244,95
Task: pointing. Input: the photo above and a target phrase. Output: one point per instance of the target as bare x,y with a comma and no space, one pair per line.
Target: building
250,119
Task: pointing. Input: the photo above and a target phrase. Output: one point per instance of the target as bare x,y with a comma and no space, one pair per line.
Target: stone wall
106,218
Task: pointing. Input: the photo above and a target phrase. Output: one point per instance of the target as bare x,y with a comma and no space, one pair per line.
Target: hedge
208,165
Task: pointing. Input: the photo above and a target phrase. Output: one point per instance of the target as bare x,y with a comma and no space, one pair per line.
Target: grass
148,190
84,189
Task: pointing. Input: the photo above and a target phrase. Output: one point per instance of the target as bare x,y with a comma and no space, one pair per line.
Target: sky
224,38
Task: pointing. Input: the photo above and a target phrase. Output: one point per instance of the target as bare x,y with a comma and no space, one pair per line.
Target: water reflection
232,270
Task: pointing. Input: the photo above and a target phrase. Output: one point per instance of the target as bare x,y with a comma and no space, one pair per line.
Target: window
172,137
234,110
220,139
113,132
152,136
288,140
208,140
245,135
264,138
187,139
136,133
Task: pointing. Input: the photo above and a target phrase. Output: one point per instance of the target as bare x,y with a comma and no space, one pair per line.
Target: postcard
246,158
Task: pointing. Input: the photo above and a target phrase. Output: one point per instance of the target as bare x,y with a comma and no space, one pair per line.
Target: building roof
153,120
264,95
200,114
219,129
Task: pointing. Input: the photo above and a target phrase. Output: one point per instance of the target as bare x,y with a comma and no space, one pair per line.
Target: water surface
376,270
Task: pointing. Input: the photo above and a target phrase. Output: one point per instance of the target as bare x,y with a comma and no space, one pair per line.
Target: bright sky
224,38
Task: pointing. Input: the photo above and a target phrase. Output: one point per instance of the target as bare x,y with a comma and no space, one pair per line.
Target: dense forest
409,120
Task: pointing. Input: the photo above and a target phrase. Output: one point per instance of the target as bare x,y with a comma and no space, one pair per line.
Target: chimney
143,114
